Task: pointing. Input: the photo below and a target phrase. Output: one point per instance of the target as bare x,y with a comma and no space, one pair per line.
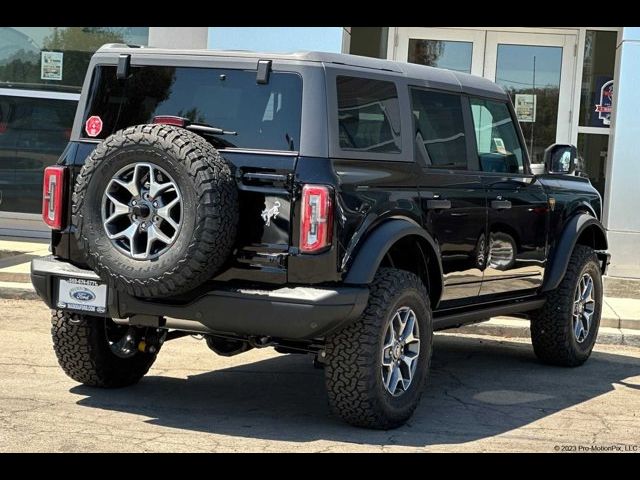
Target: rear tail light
317,218
52,196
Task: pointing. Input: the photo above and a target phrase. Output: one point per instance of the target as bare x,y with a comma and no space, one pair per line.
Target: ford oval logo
82,295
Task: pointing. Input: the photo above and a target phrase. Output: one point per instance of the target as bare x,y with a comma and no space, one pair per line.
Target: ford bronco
329,204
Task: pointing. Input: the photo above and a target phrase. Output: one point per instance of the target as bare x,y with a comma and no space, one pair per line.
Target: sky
276,39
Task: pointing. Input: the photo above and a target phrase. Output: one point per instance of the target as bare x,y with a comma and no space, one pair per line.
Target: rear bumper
290,313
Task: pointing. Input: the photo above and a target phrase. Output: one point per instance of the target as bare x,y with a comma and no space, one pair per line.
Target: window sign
51,66
598,69
525,107
603,108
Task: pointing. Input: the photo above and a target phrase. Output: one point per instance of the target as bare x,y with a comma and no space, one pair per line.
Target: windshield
265,116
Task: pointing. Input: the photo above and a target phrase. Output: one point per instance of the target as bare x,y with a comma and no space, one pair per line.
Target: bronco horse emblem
269,213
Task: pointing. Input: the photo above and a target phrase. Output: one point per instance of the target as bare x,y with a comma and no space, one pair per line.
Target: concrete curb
15,277
515,328
17,291
621,287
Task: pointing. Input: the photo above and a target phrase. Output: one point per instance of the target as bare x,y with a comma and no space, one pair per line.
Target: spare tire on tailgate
156,210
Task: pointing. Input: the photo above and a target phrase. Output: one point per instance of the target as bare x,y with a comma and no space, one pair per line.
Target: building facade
41,73
568,84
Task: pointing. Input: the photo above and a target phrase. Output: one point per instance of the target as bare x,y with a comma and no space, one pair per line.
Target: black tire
353,363
83,351
208,224
552,333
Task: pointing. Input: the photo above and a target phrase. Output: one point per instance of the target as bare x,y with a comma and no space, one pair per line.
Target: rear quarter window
264,116
368,115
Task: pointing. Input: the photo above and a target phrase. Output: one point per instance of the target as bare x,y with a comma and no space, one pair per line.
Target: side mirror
560,158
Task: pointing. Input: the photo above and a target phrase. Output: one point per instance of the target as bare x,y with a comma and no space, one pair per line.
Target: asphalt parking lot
485,394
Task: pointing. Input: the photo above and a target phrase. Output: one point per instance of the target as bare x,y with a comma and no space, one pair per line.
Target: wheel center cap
142,210
397,350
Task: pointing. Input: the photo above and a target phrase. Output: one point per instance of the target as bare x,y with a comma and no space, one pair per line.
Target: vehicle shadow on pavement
478,388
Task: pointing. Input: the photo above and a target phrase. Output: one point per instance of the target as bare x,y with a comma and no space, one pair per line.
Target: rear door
453,198
518,206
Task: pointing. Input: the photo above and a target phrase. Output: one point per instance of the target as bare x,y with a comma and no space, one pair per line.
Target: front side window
499,148
263,116
368,115
438,129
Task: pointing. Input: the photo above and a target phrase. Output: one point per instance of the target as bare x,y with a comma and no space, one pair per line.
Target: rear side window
265,116
499,148
368,115
439,129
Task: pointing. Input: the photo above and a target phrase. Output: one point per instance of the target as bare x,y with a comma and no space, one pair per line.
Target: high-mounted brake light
171,120
53,196
317,218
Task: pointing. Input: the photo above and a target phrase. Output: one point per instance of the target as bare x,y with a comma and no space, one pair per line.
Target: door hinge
575,49
395,39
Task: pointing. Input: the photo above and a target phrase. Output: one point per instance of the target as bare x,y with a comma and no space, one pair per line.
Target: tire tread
350,378
217,212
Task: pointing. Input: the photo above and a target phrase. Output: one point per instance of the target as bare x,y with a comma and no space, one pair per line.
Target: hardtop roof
458,80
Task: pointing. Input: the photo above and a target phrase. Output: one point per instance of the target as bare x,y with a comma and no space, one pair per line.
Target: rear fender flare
376,244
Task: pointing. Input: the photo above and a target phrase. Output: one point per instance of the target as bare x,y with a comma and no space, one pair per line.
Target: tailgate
265,192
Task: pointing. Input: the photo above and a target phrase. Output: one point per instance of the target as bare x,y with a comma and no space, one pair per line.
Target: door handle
439,204
500,204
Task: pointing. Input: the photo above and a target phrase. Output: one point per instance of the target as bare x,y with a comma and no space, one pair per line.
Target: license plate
81,294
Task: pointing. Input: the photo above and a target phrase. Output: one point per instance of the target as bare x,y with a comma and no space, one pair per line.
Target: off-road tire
353,355
551,326
83,352
210,210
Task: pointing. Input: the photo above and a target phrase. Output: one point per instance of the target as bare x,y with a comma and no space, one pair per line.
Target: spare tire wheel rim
142,211
400,351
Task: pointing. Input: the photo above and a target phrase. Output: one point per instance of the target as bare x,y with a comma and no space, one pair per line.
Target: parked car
329,204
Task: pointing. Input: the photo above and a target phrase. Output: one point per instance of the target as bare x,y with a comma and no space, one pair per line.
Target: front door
517,204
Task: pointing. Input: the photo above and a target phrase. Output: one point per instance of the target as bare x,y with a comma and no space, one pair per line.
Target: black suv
318,203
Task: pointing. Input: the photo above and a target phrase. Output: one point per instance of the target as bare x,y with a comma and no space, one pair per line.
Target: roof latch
122,72
264,69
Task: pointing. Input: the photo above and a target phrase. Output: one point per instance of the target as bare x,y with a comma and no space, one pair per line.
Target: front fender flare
559,260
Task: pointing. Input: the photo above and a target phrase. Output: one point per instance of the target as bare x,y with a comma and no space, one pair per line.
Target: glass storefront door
454,49
537,71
